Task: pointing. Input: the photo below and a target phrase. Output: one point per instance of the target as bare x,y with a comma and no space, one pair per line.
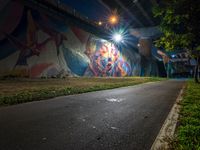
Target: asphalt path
127,118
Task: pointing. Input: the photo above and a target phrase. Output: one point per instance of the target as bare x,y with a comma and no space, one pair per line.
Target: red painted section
38,69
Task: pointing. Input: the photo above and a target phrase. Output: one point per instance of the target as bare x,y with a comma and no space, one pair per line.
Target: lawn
15,91
188,130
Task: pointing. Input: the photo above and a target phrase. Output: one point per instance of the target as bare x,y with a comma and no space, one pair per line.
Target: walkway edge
168,129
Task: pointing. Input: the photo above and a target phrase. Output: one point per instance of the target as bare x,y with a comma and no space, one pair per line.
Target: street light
117,37
100,23
118,40
113,19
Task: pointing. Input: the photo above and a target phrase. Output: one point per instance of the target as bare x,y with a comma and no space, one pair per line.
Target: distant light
173,56
99,23
138,44
117,37
114,19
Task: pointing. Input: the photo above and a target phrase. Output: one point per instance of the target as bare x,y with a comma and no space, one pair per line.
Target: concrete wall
33,44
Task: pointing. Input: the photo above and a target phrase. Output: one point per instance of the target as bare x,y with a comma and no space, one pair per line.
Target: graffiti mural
106,59
37,45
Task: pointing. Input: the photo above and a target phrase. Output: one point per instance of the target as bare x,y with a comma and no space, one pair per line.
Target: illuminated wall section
35,45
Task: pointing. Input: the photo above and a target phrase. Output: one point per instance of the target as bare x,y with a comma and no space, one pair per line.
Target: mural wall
35,45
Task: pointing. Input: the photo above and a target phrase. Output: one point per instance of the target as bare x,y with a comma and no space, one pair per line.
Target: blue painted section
76,64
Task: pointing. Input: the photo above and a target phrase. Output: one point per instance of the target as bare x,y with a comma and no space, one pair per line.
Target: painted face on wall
106,59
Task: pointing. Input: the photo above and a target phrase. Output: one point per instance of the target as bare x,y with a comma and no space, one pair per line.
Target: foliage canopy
179,23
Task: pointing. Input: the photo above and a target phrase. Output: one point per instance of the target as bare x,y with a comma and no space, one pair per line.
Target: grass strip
25,90
188,130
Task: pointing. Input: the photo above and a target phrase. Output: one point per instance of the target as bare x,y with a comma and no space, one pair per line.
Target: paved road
121,119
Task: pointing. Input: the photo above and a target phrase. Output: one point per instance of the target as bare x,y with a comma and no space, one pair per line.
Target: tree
180,25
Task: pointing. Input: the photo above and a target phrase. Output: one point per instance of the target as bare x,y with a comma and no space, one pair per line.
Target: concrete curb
168,129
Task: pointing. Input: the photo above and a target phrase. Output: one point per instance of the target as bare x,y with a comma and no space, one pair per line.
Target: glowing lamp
117,37
173,56
99,23
113,19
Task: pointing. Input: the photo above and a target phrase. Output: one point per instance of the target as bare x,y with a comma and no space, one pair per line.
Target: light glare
113,19
117,37
99,23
